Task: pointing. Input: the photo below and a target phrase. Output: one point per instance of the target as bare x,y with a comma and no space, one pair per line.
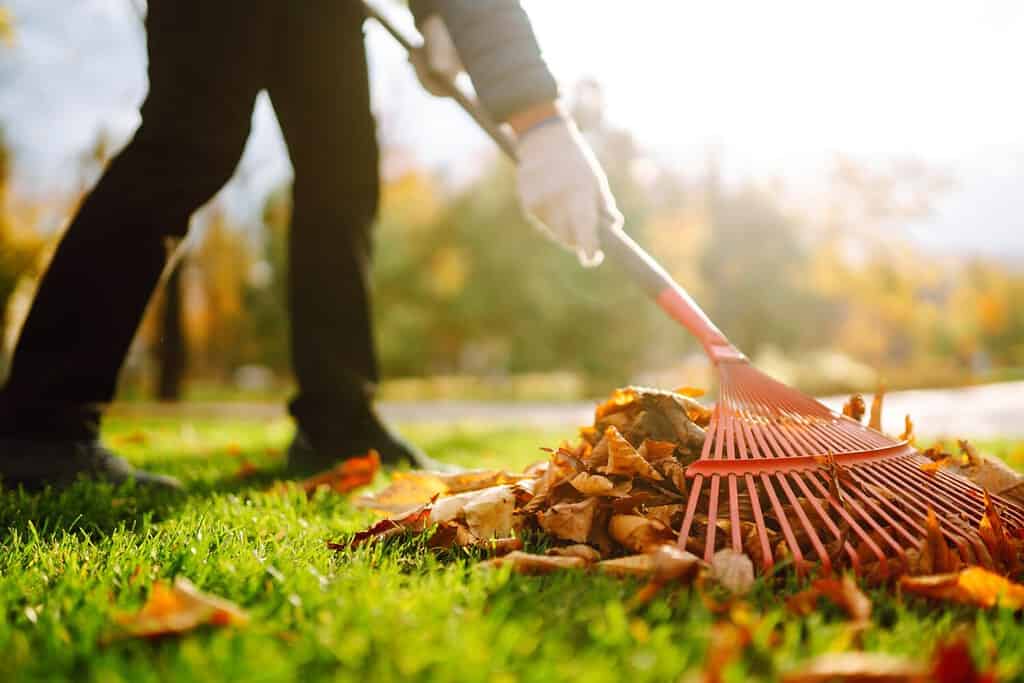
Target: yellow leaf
971,586
692,392
177,609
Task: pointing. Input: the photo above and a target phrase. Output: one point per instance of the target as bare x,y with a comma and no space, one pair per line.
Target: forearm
509,74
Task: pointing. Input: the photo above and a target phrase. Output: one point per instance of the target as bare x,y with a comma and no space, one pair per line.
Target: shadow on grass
95,509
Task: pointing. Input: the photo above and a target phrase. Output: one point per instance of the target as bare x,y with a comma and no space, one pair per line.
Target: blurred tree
171,346
214,282
19,248
6,27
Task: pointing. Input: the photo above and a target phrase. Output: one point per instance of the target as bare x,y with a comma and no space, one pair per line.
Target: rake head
783,477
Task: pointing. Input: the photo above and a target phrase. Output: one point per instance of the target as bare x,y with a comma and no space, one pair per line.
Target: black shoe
304,459
35,464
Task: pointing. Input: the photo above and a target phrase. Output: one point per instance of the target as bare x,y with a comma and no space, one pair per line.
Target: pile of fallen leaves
615,501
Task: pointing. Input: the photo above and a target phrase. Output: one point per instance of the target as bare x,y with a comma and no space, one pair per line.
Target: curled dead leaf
176,609
596,485
619,401
858,667
855,407
489,512
665,563
624,459
526,563
351,474
935,554
475,480
993,534
844,593
875,422
733,570
569,521
580,550
935,465
655,452
689,392
246,470
406,491
908,430
639,534
971,586
415,520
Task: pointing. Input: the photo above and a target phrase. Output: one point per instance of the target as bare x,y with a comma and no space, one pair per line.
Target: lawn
70,561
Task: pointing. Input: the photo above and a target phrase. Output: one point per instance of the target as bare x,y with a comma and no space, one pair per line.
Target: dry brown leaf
935,555
624,459
176,609
665,513
415,520
406,490
487,513
619,401
655,452
733,570
451,535
875,422
569,521
580,550
498,547
935,465
970,452
858,667
908,430
970,586
855,407
665,563
475,480
136,438
844,593
728,641
952,663
992,532
526,563
246,470
596,485
639,534
991,473
347,476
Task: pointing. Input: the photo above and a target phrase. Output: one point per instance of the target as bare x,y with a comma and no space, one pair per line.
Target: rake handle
642,268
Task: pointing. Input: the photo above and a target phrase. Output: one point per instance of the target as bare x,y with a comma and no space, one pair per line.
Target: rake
781,476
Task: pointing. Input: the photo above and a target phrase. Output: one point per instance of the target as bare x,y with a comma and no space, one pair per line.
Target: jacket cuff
499,49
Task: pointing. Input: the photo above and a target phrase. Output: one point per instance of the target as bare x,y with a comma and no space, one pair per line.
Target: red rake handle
642,268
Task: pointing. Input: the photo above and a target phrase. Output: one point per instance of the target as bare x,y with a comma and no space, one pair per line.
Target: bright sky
780,87
792,80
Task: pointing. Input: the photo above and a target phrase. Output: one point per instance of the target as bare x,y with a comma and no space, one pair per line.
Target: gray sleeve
499,49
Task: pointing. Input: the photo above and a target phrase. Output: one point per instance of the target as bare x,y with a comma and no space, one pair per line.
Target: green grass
70,561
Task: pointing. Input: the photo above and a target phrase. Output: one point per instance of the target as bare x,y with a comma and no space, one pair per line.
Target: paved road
977,412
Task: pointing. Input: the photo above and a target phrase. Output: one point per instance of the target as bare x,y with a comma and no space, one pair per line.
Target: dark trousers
208,59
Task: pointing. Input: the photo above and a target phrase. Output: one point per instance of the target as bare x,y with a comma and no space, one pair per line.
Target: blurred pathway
979,412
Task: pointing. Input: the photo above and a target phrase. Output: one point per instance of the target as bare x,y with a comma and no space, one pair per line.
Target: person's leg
321,94
195,122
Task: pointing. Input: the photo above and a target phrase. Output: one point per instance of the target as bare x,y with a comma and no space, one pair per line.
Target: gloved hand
440,55
563,189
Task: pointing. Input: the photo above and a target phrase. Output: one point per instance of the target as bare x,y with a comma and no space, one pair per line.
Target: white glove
563,189
440,55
